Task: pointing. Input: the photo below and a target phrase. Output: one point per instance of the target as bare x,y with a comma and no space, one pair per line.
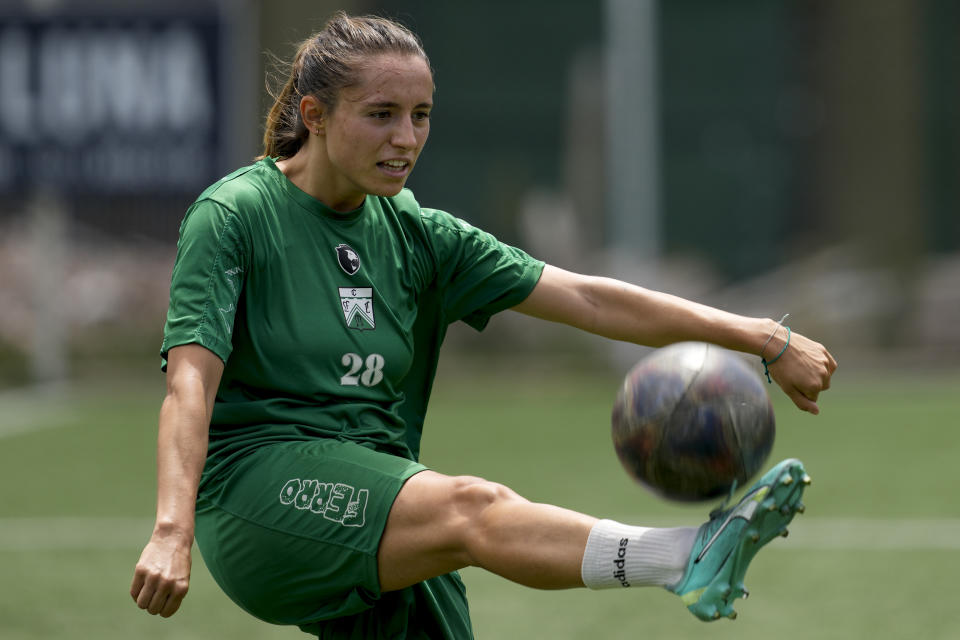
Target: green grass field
874,557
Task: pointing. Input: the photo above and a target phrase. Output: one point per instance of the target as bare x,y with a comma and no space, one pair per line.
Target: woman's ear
312,112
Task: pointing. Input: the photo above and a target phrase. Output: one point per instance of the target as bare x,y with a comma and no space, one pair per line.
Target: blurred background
761,156
764,157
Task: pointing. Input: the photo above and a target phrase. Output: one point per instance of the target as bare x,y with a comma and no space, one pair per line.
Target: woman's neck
304,171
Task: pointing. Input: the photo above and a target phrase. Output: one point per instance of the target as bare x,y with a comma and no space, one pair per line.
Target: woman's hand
802,371
162,576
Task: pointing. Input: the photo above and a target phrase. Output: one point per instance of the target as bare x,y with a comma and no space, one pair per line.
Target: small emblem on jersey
348,259
357,306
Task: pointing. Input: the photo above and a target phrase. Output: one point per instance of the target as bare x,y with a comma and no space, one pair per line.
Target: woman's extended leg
439,523
442,523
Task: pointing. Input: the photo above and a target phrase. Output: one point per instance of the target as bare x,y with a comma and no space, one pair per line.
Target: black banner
110,104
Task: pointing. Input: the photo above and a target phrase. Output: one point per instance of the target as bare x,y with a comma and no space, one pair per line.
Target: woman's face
375,132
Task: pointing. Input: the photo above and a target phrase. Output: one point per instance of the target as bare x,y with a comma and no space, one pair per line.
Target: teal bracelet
767,363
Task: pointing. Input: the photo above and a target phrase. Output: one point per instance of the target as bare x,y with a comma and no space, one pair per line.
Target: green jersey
329,324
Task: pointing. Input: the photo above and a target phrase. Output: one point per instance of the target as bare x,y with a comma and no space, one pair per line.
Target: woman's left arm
622,311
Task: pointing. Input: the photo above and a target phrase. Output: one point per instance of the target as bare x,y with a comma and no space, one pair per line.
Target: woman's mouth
395,168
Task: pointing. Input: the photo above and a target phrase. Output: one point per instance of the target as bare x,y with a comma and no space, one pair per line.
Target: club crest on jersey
357,304
348,259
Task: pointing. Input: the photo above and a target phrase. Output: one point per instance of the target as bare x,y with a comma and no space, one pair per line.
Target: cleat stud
784,533
801,508
754,536
732,615
716,615
785,510
786,479
806,479
746,593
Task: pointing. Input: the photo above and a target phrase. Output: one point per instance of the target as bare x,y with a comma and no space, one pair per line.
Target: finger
174,601
171,607
803,402
137,585
147,592
158,602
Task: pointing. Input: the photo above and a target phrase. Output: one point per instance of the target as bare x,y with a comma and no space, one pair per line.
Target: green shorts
291,534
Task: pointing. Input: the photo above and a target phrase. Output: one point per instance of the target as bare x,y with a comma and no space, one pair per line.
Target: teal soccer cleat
727,543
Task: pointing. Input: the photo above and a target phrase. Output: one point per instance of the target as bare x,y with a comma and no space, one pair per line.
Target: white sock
620,555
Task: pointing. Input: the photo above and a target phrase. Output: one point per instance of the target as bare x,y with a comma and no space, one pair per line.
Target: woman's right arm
162,575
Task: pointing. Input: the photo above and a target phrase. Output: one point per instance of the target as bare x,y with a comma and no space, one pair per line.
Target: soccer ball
692,419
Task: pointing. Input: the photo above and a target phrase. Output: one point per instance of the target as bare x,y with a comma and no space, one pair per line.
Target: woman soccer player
309,299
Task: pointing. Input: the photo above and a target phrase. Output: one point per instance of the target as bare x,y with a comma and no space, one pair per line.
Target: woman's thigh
291,533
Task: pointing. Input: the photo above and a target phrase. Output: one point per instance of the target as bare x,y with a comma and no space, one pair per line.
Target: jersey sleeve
208,276
477,274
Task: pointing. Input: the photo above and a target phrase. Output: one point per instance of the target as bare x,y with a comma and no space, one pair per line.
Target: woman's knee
473,497
482,513
438,524
452,513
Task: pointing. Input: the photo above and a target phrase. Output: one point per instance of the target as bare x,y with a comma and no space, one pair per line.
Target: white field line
73,533
22,411
863,534
866,534
806,534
